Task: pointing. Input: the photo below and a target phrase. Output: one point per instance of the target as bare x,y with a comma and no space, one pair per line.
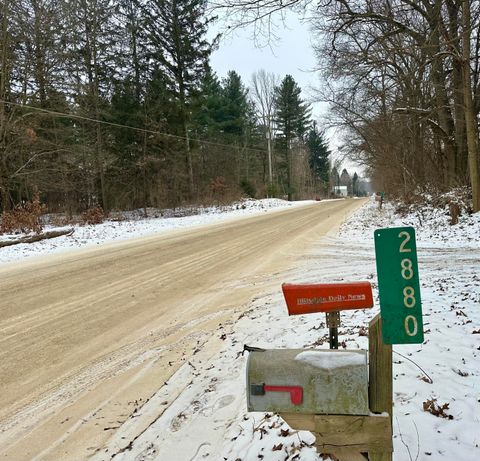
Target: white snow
206,417
132,225
201,413
331,360
431,225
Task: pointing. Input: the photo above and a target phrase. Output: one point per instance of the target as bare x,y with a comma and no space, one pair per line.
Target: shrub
248,188
272,190
94,215
23,218
218,186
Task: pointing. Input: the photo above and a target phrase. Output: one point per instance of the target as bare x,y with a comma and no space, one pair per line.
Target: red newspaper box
327,297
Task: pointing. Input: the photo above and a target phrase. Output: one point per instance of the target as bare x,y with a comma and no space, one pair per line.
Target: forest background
114,103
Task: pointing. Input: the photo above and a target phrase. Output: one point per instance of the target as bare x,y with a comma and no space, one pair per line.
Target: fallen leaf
432,407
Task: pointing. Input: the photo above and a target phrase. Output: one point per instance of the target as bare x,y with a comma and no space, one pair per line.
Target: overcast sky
290,52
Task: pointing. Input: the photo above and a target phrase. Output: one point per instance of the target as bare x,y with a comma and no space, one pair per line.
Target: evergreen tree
319,153
236,107
126,145
94,64
238,126
346,180
292,119
208,107
161,113
132,14
354,184
334,180
177,35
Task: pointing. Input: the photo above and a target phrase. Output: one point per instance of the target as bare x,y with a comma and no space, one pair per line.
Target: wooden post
333,322
348,437
380,392
359,438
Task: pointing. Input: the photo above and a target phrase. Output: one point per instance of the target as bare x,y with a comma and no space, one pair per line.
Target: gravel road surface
88,336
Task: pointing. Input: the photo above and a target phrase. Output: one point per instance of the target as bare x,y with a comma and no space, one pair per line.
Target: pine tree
94,64
132,14
354,184
126,144
162,114
334,179
236,108
7,59
177,35
238,124
292,118
319,154
208,107
346,180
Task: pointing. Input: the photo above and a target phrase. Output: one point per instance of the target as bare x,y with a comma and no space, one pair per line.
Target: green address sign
398,285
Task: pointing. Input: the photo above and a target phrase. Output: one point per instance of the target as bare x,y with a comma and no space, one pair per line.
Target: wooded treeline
113,103
403,81
408,88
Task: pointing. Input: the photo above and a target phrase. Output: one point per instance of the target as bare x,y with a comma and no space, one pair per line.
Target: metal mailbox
308,381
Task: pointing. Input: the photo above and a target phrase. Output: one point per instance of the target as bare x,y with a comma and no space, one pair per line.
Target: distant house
340,190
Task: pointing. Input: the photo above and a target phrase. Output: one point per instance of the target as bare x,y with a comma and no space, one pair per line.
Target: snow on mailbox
308,381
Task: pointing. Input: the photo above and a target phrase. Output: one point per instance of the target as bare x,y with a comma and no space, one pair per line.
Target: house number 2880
410,323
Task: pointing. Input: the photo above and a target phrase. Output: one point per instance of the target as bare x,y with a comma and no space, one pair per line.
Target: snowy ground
127,225
205,414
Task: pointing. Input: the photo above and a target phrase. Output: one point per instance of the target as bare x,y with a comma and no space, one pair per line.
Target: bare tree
397,64
263,95
403,67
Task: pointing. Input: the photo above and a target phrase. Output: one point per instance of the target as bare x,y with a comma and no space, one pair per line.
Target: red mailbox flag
327,297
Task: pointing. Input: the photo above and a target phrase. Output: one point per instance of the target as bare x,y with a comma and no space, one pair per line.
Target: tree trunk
39,53
92,67
4,78
445,119
184,115
100,164
269,150
470,117
289,171
189,159
453,9
37,238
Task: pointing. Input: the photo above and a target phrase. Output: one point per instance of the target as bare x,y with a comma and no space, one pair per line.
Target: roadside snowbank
432,225
133,225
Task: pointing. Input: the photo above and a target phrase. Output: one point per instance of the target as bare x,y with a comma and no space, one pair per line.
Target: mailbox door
308,381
